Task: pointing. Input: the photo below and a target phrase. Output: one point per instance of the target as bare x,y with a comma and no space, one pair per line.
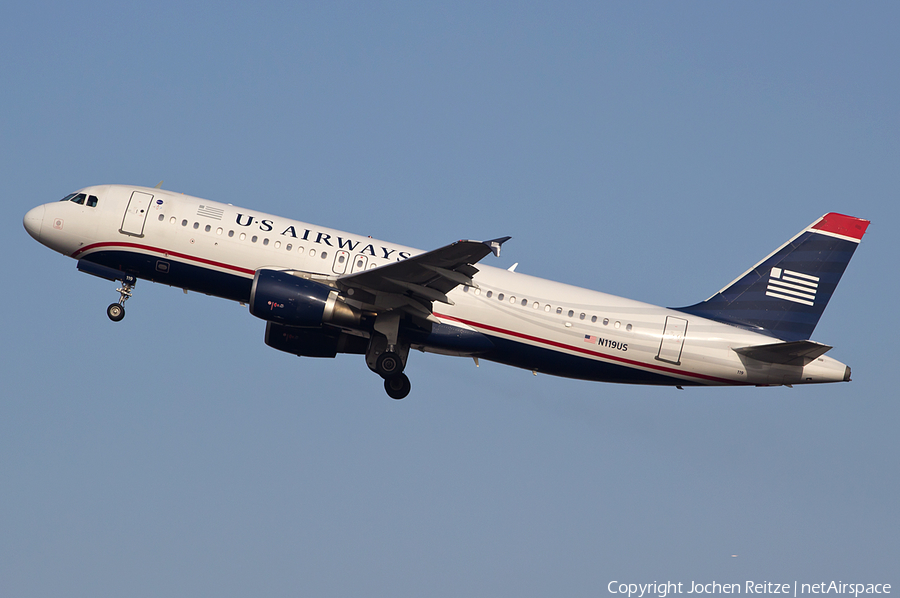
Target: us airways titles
322,238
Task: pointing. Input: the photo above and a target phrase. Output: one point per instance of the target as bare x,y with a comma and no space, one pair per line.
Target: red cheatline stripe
839,224
578,349
165,253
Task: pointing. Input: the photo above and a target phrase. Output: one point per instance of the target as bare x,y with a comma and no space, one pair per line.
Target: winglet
495,244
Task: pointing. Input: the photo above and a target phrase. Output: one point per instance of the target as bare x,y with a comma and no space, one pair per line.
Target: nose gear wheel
116,311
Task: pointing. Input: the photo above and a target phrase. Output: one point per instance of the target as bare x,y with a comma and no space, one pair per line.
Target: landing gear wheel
115,311
389,365
397,386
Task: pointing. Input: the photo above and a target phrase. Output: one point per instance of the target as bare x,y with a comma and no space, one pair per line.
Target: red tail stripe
839,224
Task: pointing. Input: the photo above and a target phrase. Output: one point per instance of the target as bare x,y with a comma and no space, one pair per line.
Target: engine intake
279,296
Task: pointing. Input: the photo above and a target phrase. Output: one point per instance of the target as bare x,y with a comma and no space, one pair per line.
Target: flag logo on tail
792,286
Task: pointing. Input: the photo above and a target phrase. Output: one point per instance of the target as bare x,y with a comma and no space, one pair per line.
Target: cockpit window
81,198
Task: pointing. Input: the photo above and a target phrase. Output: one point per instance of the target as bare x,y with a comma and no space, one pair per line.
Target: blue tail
785,294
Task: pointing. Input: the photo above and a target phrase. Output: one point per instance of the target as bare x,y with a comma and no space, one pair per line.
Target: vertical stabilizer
785,294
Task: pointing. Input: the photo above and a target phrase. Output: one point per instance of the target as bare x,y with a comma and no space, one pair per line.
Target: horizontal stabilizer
792,353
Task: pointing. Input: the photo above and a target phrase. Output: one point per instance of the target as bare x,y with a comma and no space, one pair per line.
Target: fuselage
532,323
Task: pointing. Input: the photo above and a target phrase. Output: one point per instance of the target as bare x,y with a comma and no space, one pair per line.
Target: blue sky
652,150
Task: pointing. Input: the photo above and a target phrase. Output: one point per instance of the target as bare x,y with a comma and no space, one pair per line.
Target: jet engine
281,297
305,342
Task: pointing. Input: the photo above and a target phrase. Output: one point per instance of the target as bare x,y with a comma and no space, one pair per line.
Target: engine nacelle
283,298
313,343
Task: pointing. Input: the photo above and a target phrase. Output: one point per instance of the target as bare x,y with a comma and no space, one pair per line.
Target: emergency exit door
672,340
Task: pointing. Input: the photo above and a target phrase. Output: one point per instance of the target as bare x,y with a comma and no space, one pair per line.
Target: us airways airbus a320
324,292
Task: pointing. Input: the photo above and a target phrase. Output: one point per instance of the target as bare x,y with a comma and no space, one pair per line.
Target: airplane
323,292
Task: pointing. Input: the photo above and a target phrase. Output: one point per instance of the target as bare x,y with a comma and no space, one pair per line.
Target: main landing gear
386,355
116,311
397,386
389,365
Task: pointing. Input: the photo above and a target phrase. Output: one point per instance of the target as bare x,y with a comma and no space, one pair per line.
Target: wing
418,281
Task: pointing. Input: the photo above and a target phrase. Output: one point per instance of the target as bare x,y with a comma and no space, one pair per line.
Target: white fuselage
532,320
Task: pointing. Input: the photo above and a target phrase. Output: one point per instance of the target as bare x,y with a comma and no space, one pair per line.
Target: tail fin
785,294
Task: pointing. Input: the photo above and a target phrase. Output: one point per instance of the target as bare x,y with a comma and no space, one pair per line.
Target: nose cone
33,221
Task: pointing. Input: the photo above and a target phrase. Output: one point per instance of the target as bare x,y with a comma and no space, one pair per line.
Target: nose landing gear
116,311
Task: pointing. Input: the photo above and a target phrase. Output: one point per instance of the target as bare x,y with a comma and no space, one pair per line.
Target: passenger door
136,214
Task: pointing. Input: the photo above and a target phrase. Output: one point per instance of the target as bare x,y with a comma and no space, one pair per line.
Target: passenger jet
324,292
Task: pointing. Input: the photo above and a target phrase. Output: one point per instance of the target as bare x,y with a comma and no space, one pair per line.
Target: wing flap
428,276
425,277
791,353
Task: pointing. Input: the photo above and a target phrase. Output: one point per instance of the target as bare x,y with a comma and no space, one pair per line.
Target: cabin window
558,310
184,223
581,317
243,236
628,328
312,253
547,308
253,239
277,244
571,313
465,289
324,254
489,293
524,302
231,233
162,217
617,324
477,292
208,228
500,297
512,299
220,230
288,247
300,249
196,225
606,321
594,319
172,220
266,241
